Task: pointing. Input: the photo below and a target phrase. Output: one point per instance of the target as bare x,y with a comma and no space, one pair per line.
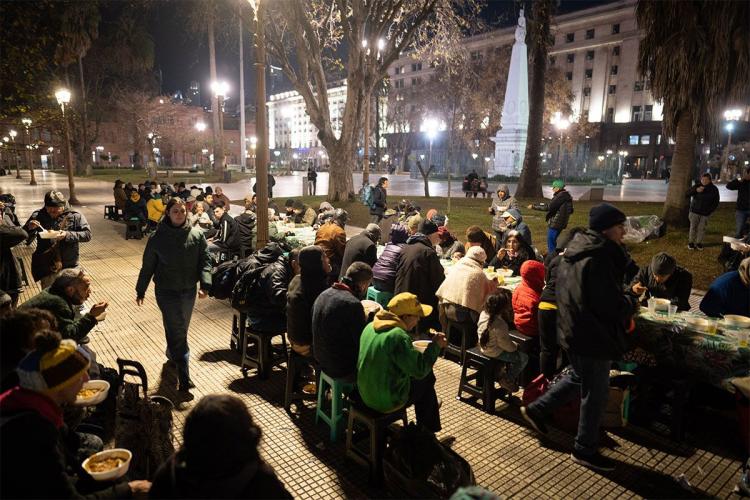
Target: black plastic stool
376,424
133,229
480,383
266,354
468,332
295,366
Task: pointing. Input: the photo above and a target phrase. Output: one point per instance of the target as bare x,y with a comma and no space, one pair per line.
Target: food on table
89,392
106,463
737,321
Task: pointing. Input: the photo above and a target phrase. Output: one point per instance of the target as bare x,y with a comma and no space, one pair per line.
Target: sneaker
691,246
597,461
534,419
186,386
699,246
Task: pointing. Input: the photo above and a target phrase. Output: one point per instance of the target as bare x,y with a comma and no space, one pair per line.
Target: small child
494,340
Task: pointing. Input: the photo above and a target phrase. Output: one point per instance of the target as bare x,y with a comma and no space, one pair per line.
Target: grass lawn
466,212
138,176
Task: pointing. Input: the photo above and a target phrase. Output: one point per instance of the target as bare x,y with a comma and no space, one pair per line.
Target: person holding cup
664,279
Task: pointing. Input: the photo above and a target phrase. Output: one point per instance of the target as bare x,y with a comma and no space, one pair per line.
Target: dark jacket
298,314
255,480
338,319
727,295
268,312
228,235
419,270
246,223
384,270
551,264
525,252
379,196
70,323
33,436
135,208
519,225
706,202
359,249
10,236
121,197
676,289
559,210
78,231
593,311
176,257
743,193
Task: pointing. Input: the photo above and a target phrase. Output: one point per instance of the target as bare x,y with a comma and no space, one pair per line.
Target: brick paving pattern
506,457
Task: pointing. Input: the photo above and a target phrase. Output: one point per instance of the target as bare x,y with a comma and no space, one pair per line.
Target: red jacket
526,297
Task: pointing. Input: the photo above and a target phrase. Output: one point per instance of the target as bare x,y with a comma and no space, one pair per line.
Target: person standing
11,234
312,181
61,252
379,200
558,213
705,200
176,257
594,313
500,205
742,213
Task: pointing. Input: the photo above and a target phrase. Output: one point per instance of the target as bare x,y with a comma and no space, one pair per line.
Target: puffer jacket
155,208
518,225
526,298
176,258
384,270
10,236
559,210
499,207
419,271
77,229
271,304
705,202
593,311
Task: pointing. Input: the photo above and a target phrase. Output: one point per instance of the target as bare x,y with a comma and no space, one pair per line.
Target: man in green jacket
391,372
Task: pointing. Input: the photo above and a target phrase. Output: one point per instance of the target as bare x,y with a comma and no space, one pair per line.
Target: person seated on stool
391,372
527,296
494,340
227,238
664,279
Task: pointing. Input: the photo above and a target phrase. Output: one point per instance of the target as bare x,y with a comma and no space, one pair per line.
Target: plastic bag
639,228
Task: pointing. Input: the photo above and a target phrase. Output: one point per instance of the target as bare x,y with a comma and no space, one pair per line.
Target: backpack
247,288
367,196
223,278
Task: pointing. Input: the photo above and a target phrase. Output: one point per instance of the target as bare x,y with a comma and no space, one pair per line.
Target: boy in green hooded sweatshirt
391,372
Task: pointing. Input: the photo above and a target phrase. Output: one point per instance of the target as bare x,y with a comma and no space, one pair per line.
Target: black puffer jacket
78,231
706,202
743,192
593,310
270,297
10,236
379,200
551,264
419,271
559,210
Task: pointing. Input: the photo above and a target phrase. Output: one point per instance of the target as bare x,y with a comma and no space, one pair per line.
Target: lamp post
63,98
201,127
261,161
27,123
12,133
731,116
221,91
561,124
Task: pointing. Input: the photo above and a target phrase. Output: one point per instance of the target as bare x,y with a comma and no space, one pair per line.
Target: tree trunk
676,205
85,159
340,176
425,177
215,104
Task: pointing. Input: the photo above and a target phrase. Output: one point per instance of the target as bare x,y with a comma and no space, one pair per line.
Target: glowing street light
200,126
62,96
220,88
561,123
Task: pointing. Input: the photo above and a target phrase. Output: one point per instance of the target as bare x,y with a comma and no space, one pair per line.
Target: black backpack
247,286
223,279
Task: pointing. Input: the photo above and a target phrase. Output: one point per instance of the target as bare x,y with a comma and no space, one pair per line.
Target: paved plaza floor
506,457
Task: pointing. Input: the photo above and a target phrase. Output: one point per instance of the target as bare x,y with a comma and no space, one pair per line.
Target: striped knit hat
53,370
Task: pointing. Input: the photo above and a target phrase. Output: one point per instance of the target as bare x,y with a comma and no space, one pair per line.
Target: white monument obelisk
510,140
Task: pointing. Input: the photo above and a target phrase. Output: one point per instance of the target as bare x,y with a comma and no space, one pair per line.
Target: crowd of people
577,299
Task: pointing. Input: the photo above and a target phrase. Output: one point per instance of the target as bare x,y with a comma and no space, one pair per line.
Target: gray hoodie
501,205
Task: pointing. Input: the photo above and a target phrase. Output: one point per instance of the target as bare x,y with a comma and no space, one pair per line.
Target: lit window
645,140
633,140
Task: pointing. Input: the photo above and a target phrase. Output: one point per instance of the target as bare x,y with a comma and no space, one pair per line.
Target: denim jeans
740,218
588,379
176,310
552,235
518,361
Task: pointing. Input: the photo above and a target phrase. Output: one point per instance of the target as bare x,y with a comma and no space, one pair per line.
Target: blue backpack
367,195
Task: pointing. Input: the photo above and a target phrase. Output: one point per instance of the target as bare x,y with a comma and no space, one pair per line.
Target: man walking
558,213
742,213
312,181
593,315
705,200
379,200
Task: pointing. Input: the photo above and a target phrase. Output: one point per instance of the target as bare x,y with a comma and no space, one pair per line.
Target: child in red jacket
526,297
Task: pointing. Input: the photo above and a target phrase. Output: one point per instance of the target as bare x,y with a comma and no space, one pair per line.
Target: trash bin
227,176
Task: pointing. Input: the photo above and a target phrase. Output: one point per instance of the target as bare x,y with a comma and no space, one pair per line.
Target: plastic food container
110,474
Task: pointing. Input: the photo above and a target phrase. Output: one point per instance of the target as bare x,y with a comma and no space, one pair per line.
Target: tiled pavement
505,456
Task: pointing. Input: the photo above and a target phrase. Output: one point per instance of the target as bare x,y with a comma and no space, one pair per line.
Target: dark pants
589,380
548,346
176,310
376,218
422,395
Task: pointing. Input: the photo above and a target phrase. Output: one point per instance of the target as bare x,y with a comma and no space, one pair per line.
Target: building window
552,60
615,28
569,75
589,34
416,66
645,140
610,115
570,37
399,70
570,58
612,89
589,73
399,84
648,113
633,140
613,70
589,55
616,50
635,115
416,81
587,91
638,86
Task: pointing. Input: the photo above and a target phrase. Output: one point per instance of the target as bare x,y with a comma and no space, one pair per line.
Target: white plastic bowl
49,235
111,474
737,321
421,345
699,324
97,398
662,304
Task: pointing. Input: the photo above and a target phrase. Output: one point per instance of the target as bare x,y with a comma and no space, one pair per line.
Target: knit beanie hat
604,216
427,227
54,199
558,184
663,264
49,368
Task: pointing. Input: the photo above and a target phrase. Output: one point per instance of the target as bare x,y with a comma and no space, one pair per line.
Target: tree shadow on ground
221,355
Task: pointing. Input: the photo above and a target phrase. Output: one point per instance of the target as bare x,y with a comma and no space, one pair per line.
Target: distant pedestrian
379,200
312,181
705,200
558,213
742,212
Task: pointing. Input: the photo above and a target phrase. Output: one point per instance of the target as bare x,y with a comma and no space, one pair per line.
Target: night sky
182,57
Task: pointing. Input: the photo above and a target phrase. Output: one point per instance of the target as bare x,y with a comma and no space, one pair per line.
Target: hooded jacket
10,236
500,206
517,225
706,202
743,192
676,289
526,298
466,285
77,231
361,248
559,210
498,340
332,239
176,258
419,271
384,270
593,311
268,311
135,207
155,208
388,362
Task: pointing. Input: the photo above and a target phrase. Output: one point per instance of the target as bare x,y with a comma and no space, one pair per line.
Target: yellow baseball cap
407,304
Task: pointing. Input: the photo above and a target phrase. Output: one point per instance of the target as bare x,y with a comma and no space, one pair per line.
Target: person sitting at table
362,248
384,270
475,236
303,290
199,217
501,204
303,215
338,319
135,208
729,293
514,222
515,252
464,290
494,339
219,456
448,244
220,196
331,237
289,209
267,307
155,209
227,237
526,298
664,279
324,210
391,372
412,223
19,328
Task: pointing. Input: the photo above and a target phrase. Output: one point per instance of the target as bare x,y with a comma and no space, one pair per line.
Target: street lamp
27,123
730,115
12,133
63,97
220,89
561,124
200,126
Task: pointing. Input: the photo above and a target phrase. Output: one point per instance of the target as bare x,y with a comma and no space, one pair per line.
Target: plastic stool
466,330
266,354
339,389
481,383
376,424
379,296
294,367
110,212
133,229
530,346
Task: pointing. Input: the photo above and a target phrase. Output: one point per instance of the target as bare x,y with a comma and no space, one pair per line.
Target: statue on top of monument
521,28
